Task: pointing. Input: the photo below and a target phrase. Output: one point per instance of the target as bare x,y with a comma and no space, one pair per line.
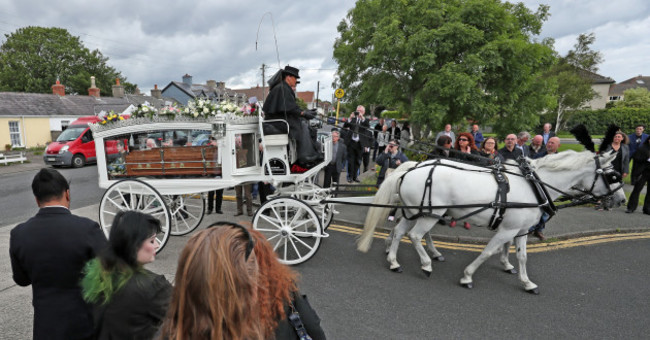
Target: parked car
75,146
331,120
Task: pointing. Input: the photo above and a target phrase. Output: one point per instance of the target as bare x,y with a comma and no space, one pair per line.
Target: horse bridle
609,176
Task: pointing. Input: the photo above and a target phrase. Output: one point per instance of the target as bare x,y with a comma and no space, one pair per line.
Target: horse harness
500,203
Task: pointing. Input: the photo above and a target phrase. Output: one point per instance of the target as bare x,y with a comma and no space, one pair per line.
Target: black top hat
290,70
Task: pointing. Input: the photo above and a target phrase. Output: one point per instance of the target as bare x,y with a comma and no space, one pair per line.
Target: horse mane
566,160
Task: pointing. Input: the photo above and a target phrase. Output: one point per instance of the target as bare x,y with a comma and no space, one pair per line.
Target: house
183,91
35,119
616,90
600,85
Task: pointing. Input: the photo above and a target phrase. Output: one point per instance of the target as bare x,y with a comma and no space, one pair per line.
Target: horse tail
385,195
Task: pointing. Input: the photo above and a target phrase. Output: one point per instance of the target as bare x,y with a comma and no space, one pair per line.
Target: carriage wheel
134,195
291,226
186,212
325,211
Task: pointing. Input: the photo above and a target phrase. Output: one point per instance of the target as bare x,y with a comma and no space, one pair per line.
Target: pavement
568,223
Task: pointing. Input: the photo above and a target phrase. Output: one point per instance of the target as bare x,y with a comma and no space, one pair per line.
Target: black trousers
215,198
365,156
331,175
355,152
644,179
264,189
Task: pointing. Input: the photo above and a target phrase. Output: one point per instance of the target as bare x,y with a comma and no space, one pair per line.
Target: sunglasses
463,139
251,243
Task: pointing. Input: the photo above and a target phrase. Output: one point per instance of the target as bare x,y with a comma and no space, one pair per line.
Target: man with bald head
551,147
536,147
510,151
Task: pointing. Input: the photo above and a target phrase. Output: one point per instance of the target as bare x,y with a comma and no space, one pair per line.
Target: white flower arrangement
145,110
200,107
228,107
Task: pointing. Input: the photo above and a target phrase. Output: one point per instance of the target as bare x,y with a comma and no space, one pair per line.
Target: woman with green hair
129,301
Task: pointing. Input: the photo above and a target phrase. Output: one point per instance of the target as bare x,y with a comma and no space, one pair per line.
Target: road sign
339,93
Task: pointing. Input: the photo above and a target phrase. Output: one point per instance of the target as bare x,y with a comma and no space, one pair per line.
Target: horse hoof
534,291
439,258
426,272
511,271
397,270
467,285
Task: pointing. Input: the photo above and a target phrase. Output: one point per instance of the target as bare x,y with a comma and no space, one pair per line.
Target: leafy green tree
301,103
32,58
638,97
447,61
571,76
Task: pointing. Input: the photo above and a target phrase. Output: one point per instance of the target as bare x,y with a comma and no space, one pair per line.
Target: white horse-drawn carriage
163,167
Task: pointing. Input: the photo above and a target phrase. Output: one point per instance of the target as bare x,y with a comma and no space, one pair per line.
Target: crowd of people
228,284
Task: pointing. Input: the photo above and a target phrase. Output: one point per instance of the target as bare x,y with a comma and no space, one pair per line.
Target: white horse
573,173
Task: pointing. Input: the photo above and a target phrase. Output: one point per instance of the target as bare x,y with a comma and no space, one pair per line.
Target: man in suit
394,131
522,138
547,133
49,252
339,155
358,143
536,147
447,132
636,140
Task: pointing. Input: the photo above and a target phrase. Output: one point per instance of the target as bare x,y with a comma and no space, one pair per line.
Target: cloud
158,42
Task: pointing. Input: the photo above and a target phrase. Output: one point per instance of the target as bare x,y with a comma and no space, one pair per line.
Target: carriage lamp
218,130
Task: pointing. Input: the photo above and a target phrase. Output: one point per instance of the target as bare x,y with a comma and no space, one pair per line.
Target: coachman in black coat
49,252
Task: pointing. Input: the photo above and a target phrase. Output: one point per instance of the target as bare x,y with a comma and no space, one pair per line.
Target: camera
356,113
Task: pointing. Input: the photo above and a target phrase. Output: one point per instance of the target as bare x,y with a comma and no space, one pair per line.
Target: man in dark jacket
391,158
281,104
640,177
358,142
510,151
49,252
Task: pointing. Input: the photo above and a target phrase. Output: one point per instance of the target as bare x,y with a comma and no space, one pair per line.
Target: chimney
212,85
221,85
93,91
187,79
58,88
118,90
156,93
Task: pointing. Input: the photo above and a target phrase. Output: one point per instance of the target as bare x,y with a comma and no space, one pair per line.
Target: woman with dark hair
489,148
405,134
278,296
622,161
215,295
443,146
129,301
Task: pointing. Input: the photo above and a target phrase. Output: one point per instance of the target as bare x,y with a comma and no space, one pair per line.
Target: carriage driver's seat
275,139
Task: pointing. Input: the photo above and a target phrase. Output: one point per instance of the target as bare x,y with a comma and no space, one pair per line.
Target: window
64,124
614,98
14,133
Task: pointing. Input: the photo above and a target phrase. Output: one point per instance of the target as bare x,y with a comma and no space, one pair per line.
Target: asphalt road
17,201
589,292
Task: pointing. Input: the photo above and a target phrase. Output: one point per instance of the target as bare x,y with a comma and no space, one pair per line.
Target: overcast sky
155,42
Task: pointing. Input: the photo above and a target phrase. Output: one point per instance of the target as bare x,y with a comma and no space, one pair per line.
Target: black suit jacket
363,129
49,252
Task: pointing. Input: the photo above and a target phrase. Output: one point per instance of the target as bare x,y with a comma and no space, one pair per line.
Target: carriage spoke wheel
134,195
291,226
324,211
186,212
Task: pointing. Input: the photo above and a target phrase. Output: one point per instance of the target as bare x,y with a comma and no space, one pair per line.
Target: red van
75,146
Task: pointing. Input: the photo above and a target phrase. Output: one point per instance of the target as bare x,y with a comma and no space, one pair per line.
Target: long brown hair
215,295
470,138
276,282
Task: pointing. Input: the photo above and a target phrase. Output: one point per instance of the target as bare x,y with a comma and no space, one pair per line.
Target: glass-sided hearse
165,166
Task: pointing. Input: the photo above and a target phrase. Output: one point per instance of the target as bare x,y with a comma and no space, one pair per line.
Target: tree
637,97
571,76
33,58
446,61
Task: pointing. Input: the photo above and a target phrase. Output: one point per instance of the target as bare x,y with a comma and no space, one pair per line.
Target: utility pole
317,88
263,82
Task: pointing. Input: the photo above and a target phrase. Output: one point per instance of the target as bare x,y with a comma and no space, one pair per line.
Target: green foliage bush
391,115
597,121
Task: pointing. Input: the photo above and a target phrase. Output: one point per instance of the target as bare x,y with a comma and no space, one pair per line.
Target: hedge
596,121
